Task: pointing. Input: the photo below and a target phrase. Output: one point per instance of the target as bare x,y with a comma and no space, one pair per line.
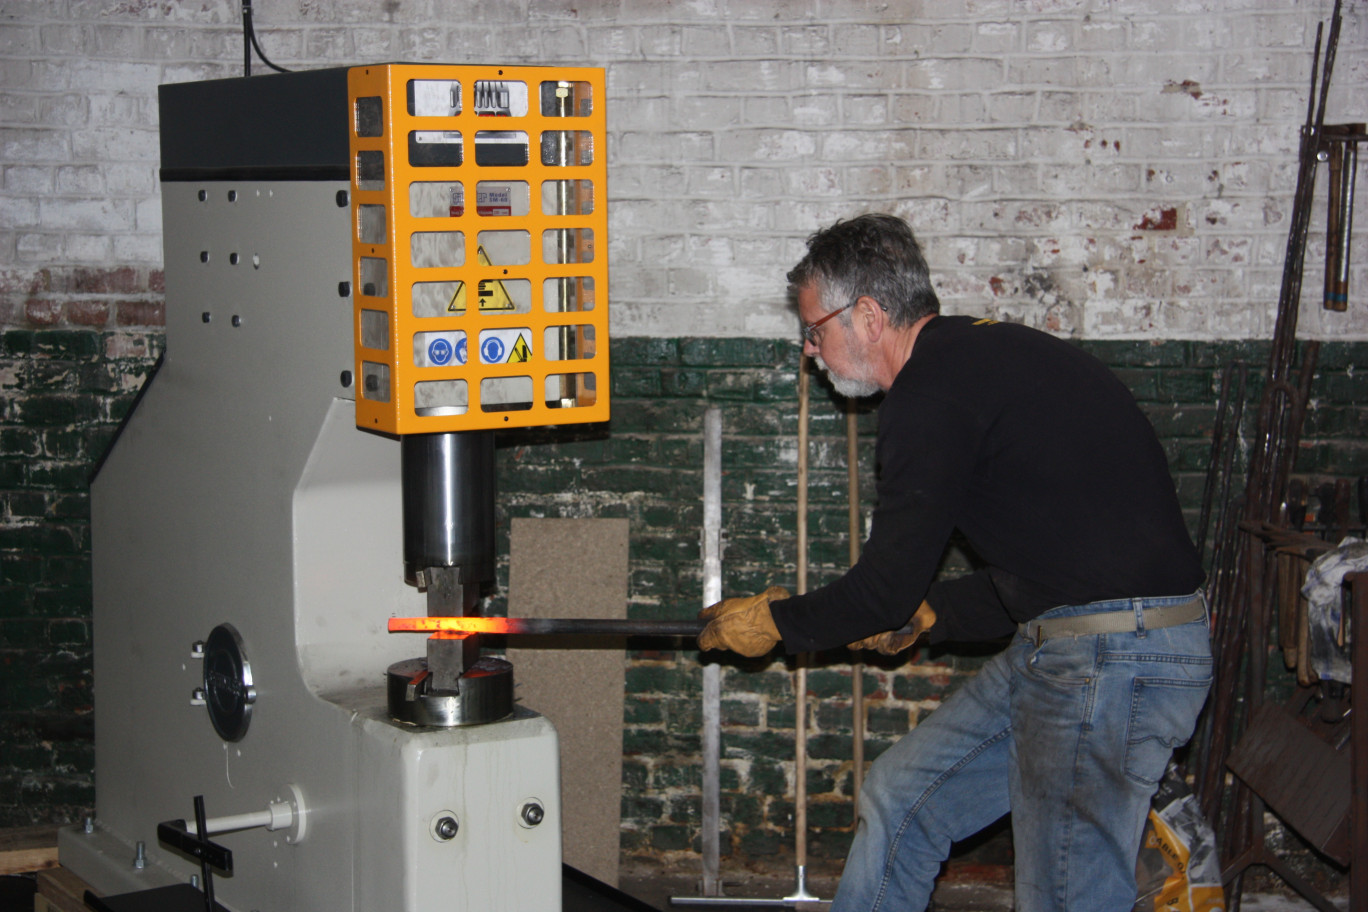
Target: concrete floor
978,889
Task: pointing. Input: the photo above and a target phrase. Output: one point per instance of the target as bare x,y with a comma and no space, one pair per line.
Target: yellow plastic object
479,241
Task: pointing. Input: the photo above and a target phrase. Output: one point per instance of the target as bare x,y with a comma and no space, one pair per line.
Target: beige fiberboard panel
576,568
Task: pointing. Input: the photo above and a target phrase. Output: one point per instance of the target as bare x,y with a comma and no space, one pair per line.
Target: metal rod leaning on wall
1268,466
800,891
800,898
712,671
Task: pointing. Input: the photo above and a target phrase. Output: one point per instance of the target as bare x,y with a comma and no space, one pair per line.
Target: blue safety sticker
440,351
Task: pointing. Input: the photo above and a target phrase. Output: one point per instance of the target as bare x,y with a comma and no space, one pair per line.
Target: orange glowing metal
462,626
609,627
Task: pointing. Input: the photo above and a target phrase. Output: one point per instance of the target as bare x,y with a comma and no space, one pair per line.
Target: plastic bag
1179,868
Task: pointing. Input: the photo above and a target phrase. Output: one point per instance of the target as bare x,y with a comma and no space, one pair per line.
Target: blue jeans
1071,736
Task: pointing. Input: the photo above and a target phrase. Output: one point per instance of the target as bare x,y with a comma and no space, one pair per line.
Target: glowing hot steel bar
467,626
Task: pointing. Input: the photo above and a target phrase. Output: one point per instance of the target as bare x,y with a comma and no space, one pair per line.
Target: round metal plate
486,694
228,690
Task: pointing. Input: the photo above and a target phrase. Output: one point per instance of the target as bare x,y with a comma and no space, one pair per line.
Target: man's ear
871,317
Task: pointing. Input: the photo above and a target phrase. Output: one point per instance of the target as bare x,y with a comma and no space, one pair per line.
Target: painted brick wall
1105,170
1120,173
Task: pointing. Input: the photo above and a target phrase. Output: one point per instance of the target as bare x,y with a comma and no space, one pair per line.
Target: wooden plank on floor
25,849
60,891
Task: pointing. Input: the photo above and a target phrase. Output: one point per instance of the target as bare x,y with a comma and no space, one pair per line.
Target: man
1043,461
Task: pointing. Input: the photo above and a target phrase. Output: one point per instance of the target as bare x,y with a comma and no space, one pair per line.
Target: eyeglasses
807,329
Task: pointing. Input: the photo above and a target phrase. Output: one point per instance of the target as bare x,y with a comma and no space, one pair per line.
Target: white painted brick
47,75
913,107
148,215
872,145
564,44
752,75
18,109
28,179
88,248
761,183
137,248
132,179
755,41
1049,36
19,213
1010,107
717,182
65,38
856,40
997,37
119,145
1057,107
872,181
80,179
992,122
117,40
39,248
815,181
19,40
767,145
659,40
864,110
375,44
959,109
85,214
33,145
705,41
325,43
974,72
807,41
610,42
982,145
135,78
68,109
1103,35
807,110
948,39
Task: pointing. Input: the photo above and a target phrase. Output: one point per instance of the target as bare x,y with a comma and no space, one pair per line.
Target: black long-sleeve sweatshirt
1041,458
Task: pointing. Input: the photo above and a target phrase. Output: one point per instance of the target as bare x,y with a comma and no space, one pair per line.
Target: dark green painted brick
670,838
62,343
645,352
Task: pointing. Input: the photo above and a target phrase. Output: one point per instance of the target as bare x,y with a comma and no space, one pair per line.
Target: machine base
486,694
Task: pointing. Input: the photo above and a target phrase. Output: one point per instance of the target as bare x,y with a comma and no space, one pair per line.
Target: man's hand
890,642
743,625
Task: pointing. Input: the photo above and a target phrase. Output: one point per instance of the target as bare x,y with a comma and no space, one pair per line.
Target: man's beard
857,387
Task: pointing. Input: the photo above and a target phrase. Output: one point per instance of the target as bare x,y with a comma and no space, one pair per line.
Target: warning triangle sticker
493,296
521,351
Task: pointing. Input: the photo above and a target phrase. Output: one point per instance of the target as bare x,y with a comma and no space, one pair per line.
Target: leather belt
1120,621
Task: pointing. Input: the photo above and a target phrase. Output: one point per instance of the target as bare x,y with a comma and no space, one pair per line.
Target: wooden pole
857,722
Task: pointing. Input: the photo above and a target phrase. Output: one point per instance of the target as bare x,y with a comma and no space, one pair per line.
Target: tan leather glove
743,625
891,642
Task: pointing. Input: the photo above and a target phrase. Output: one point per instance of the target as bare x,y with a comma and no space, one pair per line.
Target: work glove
891,642
743,625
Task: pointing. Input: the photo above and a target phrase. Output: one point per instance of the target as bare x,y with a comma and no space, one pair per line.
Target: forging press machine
368,271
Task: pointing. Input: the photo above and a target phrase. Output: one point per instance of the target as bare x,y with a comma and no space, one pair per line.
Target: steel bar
712,671
600,627
497,626
800,892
